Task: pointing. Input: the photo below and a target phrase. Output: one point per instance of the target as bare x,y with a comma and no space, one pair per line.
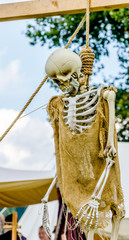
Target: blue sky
22,66
29,145
21,71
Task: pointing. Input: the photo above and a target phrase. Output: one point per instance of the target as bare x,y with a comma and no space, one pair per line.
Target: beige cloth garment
80,162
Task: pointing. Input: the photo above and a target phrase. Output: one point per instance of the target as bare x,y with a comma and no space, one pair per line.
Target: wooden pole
46,8
14,226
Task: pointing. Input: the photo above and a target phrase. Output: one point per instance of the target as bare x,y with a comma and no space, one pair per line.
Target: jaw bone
74,86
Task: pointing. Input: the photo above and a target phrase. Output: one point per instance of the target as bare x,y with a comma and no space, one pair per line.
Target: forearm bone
110,96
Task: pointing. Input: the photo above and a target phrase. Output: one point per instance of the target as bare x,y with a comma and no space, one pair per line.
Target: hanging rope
86,54
76,31
41,84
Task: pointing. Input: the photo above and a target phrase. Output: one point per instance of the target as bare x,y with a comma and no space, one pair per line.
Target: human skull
63,66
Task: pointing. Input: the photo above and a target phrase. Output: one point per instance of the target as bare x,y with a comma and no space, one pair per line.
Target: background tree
105,28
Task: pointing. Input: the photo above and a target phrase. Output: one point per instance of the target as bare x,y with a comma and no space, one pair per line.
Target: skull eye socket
66,73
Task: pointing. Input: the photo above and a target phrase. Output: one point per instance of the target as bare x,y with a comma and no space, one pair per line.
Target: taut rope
23,109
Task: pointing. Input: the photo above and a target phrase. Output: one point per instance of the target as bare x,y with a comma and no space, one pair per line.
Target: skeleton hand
91,210
110,150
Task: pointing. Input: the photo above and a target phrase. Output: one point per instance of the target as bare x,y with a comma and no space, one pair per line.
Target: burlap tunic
80,161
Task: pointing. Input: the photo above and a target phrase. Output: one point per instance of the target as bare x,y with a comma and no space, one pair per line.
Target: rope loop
87,58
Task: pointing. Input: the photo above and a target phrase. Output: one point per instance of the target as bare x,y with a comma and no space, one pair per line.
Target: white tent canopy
11,175
22,188
123,231
123,153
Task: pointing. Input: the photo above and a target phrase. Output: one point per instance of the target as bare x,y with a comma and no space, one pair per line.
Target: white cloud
28,145
10,74
14,153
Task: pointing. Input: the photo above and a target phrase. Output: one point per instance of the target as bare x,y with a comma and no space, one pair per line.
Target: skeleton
80,104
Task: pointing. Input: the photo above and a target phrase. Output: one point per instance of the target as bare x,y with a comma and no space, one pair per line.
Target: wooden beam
46,8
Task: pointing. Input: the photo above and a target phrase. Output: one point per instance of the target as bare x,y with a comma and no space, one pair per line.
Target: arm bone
110,96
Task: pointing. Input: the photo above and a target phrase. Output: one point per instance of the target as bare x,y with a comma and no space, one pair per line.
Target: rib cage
80,111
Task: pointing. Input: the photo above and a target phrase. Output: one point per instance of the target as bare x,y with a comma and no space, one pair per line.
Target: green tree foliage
105,28
122,113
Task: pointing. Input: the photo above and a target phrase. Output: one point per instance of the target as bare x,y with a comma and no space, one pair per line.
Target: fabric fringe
45,219
46,222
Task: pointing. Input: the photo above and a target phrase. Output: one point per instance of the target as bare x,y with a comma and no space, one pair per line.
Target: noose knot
87,58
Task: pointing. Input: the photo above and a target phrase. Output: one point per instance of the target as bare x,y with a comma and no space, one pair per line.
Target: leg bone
115,227
91,235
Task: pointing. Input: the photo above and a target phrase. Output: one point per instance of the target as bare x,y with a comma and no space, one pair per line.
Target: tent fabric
28,188
13,175
22,188
123,231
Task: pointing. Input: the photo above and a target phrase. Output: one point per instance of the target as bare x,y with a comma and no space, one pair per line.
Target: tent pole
14,226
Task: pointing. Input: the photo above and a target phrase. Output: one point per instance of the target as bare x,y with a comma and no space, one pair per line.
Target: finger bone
84,213
92,217
88,217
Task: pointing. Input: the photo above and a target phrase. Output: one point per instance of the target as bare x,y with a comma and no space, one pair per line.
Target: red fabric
70,233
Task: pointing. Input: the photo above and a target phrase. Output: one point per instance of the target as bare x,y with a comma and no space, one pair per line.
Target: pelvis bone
63,66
